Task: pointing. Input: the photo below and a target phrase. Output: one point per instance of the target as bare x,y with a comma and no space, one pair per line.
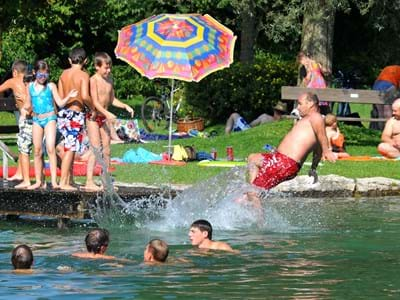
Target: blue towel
139,155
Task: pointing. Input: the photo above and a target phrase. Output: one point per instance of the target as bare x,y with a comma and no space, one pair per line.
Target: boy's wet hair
101,58
77,56
22,257
95,239
159,249
20,66
203,225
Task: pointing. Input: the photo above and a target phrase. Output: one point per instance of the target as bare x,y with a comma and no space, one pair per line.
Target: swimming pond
298,249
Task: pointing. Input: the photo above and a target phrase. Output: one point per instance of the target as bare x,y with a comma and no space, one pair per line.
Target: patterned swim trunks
275,169
24,137
70,124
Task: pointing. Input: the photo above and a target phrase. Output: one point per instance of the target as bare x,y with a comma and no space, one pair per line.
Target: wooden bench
341,95
8,104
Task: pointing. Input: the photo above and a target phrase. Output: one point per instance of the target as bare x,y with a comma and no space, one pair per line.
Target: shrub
128,83
248,89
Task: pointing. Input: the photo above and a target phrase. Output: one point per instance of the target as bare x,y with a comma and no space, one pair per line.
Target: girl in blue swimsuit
40,98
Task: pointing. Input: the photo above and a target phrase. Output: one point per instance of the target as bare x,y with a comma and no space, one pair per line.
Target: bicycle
156,111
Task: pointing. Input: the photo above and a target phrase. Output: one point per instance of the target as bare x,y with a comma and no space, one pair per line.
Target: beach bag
127,130
179,153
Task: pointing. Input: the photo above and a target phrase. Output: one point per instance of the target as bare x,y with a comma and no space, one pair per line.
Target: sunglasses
40,75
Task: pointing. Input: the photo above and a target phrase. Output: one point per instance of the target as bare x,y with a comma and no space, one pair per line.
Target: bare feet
91,188
16,177
37,185
68,187
23,185
55,186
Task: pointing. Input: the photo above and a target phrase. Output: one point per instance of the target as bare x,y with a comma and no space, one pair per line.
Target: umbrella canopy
179,46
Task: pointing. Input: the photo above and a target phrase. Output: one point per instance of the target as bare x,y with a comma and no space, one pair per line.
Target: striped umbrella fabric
177,46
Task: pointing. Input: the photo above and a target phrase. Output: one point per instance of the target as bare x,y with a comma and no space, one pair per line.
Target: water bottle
213,153
269,148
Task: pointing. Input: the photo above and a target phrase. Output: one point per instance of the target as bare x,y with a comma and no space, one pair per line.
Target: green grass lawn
360,141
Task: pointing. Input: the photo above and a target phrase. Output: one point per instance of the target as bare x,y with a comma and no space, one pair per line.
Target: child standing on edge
99,121
24,138
41,95
71,118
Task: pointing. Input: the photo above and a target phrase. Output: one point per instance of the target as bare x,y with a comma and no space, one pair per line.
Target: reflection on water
299,249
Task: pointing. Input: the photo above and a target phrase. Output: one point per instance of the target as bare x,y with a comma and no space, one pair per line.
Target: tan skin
200,239
307,135
49,132
390,146
73,78
102,92
332,132
17,85
91,255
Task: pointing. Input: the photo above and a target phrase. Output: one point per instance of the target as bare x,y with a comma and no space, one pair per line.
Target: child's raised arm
61,102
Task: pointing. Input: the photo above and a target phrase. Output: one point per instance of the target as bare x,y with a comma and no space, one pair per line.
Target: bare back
300,141
18,87
101,90
74,78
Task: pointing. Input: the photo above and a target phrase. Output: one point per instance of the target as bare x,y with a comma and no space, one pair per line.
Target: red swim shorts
276,168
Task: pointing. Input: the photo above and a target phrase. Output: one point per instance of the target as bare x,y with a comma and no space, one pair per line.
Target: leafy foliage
250,89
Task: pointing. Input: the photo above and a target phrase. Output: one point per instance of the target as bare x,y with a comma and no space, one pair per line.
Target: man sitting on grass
390,146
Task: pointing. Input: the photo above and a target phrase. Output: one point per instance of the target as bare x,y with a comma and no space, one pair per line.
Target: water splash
214,199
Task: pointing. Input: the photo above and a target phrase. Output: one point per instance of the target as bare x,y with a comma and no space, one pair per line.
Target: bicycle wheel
153,115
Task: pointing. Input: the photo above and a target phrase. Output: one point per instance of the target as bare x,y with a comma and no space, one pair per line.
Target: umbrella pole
170,120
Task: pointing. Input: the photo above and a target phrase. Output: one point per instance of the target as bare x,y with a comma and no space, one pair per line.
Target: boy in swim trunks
99,120
96,241
200,235
156,251
22,259
24,140
267,170
71,118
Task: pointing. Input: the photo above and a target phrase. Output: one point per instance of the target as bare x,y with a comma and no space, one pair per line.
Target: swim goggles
40,75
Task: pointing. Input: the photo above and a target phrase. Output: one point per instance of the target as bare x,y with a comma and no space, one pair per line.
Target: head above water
203,226
97,240
156,250
77,56
22,257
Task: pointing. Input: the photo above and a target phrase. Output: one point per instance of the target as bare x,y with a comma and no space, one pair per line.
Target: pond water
297,249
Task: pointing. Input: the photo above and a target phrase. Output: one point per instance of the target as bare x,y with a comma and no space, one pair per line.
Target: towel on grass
140,155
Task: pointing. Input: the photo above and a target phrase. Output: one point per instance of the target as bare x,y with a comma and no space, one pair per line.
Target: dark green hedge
250,89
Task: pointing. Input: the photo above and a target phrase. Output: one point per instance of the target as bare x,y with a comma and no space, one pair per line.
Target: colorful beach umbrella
178,46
